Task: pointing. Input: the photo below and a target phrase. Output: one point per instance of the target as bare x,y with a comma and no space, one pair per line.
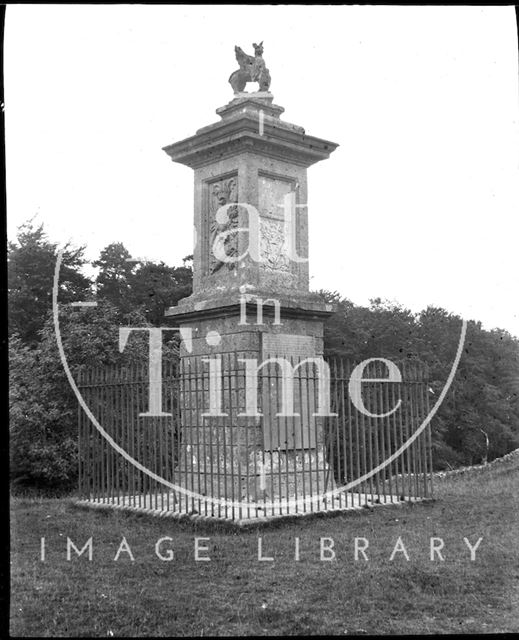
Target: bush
43,407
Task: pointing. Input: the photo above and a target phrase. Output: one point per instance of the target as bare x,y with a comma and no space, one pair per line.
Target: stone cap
241,132
250,122
299,305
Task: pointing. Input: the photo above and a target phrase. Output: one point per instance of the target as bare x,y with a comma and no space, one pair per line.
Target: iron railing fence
220,448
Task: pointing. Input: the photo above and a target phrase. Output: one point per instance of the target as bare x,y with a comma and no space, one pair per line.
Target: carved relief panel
221,193
273,244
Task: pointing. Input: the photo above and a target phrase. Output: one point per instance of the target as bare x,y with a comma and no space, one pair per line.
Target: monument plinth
251,294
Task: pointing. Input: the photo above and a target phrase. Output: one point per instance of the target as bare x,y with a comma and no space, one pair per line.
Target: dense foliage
484,398
483,401
43,407
32,261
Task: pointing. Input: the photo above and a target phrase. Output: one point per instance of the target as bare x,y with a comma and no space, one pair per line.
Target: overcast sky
419,203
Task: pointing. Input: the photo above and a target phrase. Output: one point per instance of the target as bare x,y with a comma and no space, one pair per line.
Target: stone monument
251,294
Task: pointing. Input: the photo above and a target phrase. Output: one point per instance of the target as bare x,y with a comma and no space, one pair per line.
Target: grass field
235,594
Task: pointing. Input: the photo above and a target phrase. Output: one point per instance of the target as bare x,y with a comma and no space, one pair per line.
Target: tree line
482,405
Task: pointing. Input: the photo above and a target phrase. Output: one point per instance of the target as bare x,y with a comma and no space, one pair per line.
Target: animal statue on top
252,69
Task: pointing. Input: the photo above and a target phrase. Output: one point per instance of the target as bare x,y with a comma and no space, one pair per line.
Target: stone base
260,458
269,476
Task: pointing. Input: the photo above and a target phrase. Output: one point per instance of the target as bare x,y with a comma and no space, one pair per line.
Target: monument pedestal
252,458
251,301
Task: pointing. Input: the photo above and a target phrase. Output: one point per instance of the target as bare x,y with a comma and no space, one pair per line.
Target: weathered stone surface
258,307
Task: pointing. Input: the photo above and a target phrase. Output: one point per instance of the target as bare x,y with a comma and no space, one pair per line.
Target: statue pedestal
256,305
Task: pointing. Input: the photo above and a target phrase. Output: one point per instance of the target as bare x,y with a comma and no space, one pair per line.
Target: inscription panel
288,433
287,344
271,193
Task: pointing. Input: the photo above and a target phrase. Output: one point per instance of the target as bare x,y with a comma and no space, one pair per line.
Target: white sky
419,203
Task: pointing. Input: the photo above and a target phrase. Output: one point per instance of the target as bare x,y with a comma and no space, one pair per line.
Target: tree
31,265
484,393
481,400
113,281
383,329
148,286
155,287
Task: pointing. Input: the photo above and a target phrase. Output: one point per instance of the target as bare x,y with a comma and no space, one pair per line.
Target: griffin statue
252,69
